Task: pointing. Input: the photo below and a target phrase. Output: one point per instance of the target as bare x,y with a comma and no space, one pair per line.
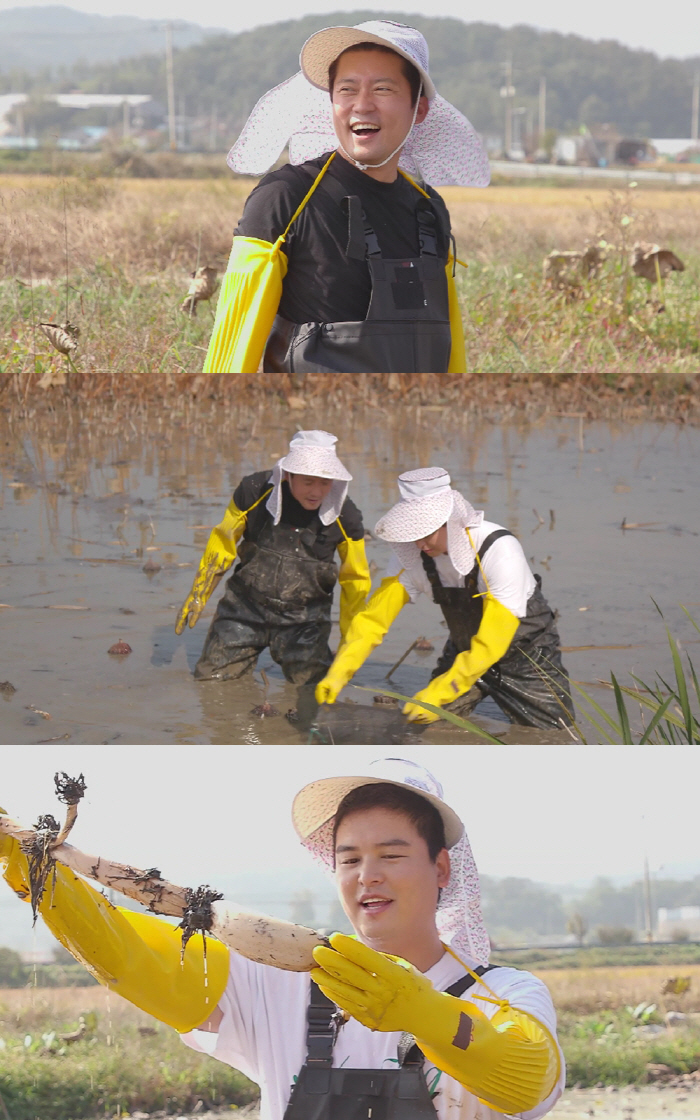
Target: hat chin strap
367,166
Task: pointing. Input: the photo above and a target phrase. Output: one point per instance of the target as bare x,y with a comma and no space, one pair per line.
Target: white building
669,920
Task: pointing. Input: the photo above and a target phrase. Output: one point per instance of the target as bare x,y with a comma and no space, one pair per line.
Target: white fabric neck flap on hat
432,484
312,450
459,920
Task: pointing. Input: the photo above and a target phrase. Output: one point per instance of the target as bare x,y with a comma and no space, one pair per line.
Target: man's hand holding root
383,993
510,1061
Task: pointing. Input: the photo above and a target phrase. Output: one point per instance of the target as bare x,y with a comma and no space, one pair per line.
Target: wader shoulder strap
362,240
321,1031
409,1052
491,539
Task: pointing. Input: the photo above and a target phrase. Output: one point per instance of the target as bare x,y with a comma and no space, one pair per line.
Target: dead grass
27,1010
115,257
586,990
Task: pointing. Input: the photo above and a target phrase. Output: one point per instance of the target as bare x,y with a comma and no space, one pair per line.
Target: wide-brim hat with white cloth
458,917
443,150
311,453
428,502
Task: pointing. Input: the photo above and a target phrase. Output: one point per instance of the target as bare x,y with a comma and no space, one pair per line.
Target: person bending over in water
503,639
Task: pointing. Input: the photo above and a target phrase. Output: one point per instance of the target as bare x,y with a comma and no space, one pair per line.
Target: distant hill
587,82
33,39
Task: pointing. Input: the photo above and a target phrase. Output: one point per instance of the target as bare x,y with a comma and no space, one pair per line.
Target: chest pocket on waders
279,568
322,1092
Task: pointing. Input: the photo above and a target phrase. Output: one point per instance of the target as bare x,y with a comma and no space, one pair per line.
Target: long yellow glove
354,579
489,644
510,1062
218,557
250,295
366,631
135,955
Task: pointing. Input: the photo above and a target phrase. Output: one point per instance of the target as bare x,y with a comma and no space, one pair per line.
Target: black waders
407,328
280,597
529,683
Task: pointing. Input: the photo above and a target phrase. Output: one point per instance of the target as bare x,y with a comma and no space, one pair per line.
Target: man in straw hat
341,262
284,527
404,1021
503,638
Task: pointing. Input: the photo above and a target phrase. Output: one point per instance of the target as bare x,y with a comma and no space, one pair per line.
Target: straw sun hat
427,502
312,453
316,804
442,150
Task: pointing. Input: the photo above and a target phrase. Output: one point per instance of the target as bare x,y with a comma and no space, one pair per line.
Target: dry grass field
114,256
587,990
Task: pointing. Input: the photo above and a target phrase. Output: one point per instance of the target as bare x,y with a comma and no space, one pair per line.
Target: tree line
587,82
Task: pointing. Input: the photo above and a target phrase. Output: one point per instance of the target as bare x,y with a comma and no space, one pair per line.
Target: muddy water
84,504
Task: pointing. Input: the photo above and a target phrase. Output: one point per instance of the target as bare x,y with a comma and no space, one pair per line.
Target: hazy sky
670,30
555,814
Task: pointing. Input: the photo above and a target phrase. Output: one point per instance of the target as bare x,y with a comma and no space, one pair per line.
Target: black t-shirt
323,284
253,486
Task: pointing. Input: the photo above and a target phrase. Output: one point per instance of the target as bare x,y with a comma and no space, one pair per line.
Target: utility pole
171,85
649,932
542,128
126,120
508,92
695,108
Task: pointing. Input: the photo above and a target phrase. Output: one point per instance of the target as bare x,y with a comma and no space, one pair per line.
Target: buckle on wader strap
321,1033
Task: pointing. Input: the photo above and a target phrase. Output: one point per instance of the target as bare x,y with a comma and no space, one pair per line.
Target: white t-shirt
263,1033
507,571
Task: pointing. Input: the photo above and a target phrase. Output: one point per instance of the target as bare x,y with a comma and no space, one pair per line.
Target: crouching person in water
405,1021
503,639
284,526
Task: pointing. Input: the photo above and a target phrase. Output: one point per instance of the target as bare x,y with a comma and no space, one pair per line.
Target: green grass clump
42,1078
610,1049
599,956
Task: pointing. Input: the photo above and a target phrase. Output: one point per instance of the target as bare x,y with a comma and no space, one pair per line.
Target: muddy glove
135,955
510,1062
489,644
366,631
218,557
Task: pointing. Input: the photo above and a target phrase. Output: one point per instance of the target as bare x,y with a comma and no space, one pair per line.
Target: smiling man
284,527
404,1021
342,259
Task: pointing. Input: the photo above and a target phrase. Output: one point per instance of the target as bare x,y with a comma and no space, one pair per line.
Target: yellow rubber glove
218,557
250,294
354,579
510,1062
135,955
489,644
366,631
